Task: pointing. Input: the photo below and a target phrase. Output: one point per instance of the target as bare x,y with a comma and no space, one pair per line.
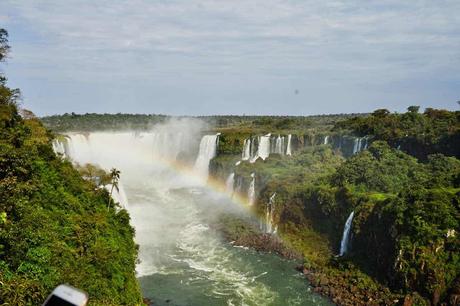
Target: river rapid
182,259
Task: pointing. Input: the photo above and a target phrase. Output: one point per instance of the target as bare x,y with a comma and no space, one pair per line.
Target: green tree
114,179
4,46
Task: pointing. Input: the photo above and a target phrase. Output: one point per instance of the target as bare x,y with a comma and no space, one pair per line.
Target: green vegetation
406,203
420,135
404,189
225,124
405,211
54,225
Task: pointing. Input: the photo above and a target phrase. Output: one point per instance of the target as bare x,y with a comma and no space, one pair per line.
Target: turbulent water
183,260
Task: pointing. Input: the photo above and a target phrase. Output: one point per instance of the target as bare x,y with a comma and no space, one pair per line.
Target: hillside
56,227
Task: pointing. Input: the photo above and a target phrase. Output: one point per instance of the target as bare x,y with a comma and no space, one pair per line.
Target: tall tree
8,96
114,179
4,46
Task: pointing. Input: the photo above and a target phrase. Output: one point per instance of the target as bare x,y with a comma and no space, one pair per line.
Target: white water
208,150
279,146
266,145
246,150
288,148
181,258
326,140
346,234
59,147
360,143
269,215
230,182
263,150
252,190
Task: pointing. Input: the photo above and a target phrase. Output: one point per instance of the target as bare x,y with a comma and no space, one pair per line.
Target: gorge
173,209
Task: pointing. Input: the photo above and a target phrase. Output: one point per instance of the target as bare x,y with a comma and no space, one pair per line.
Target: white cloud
375,42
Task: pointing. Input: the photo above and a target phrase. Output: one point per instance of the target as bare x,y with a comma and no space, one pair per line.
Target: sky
253,57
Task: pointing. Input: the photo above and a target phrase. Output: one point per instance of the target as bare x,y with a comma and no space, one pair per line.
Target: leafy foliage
54,225
419,134
407,217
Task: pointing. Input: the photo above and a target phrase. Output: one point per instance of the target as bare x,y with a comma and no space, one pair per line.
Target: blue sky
233,57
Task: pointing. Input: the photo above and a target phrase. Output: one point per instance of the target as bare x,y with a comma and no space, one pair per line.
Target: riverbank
334,278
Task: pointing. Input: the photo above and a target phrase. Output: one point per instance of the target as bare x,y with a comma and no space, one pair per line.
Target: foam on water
181,257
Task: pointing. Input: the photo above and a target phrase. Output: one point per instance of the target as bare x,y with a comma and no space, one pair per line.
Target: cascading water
346,234
230,182
279,145
360,143
269,215
252,190
356,145
326,140
182,259
208,149
263,150
288,148
246,155
59,147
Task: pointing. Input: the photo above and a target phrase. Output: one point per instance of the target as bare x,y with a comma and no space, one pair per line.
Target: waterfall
269,214
238,186
208,150
230,182
356,145
59,147
326,139
264,146
279,145
263,150
246,149
252,190
288,148
360,143
346,234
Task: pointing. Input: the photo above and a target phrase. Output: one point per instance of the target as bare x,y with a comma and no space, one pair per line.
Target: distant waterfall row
263,146
348,145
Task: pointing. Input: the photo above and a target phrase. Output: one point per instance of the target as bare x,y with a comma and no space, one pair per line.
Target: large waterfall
265,145
208,149
346,234
263,150
171,210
